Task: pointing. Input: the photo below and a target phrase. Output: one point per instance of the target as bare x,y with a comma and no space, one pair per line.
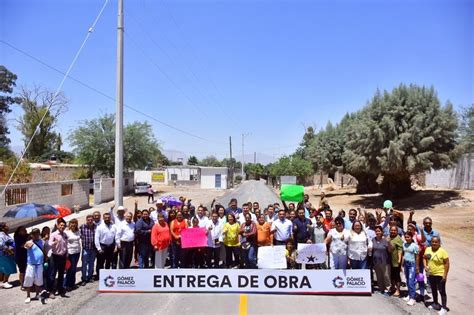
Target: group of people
152,237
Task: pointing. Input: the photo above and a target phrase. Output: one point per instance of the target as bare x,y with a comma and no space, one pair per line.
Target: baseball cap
159,201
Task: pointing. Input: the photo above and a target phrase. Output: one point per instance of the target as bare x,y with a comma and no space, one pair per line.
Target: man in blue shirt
429,232
233,209
34,268
352,219
302,228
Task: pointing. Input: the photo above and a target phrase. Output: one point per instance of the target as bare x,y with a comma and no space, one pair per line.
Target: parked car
141,188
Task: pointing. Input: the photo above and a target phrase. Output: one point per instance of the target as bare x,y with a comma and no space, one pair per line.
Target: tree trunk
396,186
366,183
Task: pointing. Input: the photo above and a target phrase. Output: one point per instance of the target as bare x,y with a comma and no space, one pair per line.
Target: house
214,177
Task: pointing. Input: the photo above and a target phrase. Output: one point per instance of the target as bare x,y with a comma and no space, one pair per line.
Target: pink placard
195,237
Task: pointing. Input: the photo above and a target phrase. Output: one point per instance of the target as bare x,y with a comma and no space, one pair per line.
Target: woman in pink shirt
58,243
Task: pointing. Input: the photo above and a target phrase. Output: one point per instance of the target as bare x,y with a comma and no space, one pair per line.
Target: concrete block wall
50,193
459,177
104,188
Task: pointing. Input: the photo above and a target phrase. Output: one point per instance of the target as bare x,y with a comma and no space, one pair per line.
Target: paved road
211,304
251,190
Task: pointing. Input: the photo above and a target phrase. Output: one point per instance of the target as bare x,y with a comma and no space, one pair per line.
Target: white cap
159,201
121,208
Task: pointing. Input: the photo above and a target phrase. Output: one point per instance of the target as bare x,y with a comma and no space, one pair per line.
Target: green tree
94,145
291,166
254,170
231,162
401,133
210,161
466,129
192,160
36,103
7,83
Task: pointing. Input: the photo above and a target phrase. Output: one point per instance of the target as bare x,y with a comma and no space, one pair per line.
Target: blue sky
267,68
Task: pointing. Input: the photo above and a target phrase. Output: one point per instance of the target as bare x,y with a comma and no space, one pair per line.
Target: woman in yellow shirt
436,263
231,240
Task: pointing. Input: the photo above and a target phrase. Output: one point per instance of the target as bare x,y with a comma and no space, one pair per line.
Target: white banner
311,253
355,282
271,257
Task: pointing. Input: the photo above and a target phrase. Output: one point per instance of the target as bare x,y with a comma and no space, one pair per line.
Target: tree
162,160
94,145
36,103
192,160
231,163
466,129
399,134
291,166
210,161
254,170
7,83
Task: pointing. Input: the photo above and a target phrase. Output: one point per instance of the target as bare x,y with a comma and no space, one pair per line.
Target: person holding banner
214,242
248,232
231,232
177,225
359,246
160,240
302,228
338,238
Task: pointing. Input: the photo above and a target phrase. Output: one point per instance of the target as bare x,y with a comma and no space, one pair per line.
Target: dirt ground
453,217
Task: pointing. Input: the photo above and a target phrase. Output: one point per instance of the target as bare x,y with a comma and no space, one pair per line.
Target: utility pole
231,173
255,158
243,155
118,189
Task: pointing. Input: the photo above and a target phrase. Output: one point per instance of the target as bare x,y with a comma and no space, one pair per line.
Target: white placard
271,257
311,253
354,282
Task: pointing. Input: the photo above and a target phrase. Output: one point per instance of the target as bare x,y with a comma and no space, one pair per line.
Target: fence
459,177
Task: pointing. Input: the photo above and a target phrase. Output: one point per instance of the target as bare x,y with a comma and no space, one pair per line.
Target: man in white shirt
104,240
203,220
214,242
125,238
282,229
159,209
245,210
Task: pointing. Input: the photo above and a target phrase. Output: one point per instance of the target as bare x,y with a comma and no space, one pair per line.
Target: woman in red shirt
176,226
160,240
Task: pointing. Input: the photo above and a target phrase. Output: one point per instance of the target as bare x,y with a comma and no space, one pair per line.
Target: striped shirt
87,236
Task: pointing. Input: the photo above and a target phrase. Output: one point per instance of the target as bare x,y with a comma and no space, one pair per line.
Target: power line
168,77
230,116
197,87
73,62
97,90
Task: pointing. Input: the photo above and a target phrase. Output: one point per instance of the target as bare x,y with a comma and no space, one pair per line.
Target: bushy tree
192,160
399,134
254,170
231,163
94,145
210,160
466,129
291,166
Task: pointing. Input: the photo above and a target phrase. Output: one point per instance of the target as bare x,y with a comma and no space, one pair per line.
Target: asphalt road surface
251,190
217,304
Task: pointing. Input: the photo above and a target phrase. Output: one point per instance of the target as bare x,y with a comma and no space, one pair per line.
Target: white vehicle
141,188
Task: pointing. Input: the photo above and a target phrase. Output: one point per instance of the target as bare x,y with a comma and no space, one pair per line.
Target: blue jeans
359,264
70,280
88,259
250,257
340,261
145,256
410,275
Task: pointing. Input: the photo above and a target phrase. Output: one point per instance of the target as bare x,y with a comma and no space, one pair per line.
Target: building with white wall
214,177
